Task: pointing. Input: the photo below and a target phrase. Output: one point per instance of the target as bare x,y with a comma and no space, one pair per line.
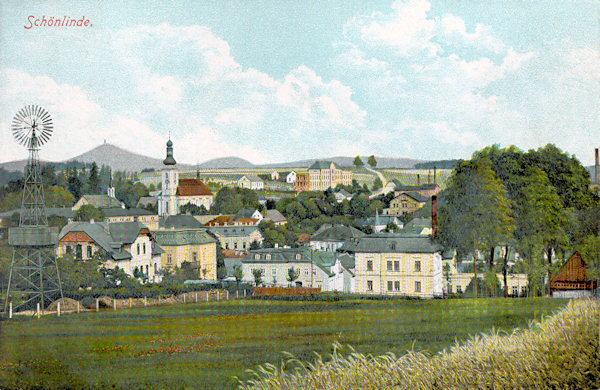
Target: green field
206,345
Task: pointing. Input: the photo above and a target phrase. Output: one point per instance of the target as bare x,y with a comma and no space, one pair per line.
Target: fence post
77,306
244,292
58,309
97,304
145,301
10,309
196,296
114,304
183,297
207,296
159,299
130,302
38,310
226,295
237,293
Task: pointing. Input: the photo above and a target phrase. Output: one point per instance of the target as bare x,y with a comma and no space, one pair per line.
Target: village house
380,222
342,195
127,245
98,201
251,216
288,177
237,237
326,271
275,217
405,202
251,182
194,246
330,237
572,280
302,182
398,264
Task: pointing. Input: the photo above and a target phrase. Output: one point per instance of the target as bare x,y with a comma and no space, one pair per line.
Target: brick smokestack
434,227
597,167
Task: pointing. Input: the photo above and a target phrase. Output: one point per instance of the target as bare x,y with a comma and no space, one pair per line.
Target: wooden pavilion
572,279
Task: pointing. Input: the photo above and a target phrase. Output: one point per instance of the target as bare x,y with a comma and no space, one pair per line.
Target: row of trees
536,202
359,164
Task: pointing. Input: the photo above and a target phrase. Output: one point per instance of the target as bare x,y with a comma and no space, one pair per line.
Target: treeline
538,203
440,164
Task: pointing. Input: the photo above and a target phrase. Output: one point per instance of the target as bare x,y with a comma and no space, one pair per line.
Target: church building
178,192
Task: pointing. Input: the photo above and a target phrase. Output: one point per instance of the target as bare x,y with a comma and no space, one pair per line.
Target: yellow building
237,237
406,202
407,265
324,174
194,246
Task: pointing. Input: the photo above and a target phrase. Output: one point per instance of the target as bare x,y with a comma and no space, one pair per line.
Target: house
342,270
275,217
221,220
237,237
288,177
98,201
418,226
194,191
248,214
251,182
331,237
426,190
276,262
572,280
127,245
302,182
405,202
191,245
342,195
380,222
324,174
398,264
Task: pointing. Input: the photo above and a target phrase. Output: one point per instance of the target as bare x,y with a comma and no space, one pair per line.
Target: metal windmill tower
33,276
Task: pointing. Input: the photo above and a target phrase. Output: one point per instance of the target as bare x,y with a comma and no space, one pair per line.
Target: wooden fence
284,291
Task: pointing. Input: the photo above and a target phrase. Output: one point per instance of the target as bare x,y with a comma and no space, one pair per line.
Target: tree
74,186
94,180
541,221
372,162
292,275
254,245
190,208
87,213
447,274
237,274
358,162
257,273
377,184
476,214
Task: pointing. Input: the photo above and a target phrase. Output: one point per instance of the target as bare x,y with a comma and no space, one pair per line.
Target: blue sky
273,81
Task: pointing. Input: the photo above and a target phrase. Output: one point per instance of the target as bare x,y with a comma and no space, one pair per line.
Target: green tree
358,162
476,214
75,187
377,184
87,212
238,274
190,208
257,274
292,275
372,162
94,180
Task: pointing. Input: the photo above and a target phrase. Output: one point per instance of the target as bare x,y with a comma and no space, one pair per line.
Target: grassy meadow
207,345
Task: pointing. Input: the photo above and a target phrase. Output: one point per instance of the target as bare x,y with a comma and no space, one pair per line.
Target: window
369,265
274,271
418,287
194,257
89,252
138,248
389,265
256,257
144,248
418,266
243,245
235,245
155,268
449,289
459,289
169,260
69,249
369,285
390,285
298,256
396,286
268,257
78,252
396,266
146,269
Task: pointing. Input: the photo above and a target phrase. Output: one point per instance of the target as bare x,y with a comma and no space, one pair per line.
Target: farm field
206,345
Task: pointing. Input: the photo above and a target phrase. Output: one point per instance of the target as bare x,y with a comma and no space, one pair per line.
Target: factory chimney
434,216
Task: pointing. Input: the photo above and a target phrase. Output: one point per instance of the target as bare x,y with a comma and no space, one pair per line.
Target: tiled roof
244,213
233,231
102,201
328,232
393,243
120,212
182,237
181,221
321,165
220,220
275,216
192,187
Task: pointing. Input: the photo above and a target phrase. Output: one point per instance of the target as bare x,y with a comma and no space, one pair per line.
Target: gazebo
572,280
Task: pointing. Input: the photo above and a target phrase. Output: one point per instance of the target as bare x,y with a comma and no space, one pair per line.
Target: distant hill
123,160
382,162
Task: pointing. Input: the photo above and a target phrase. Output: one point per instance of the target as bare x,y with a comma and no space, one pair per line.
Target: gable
76,237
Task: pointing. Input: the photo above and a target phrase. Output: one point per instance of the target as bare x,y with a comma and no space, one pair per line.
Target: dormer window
268,257
298,256
256,256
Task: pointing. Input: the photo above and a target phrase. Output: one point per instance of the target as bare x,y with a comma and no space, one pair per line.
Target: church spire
169,160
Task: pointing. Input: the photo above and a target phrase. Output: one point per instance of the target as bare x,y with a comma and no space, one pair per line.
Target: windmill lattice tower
34,276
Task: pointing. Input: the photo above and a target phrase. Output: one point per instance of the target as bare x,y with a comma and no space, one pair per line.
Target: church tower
169,176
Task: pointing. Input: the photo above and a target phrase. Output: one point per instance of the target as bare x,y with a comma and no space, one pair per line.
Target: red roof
221,220
192,187
76,237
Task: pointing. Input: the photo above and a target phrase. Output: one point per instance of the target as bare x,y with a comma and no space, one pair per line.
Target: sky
276,81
